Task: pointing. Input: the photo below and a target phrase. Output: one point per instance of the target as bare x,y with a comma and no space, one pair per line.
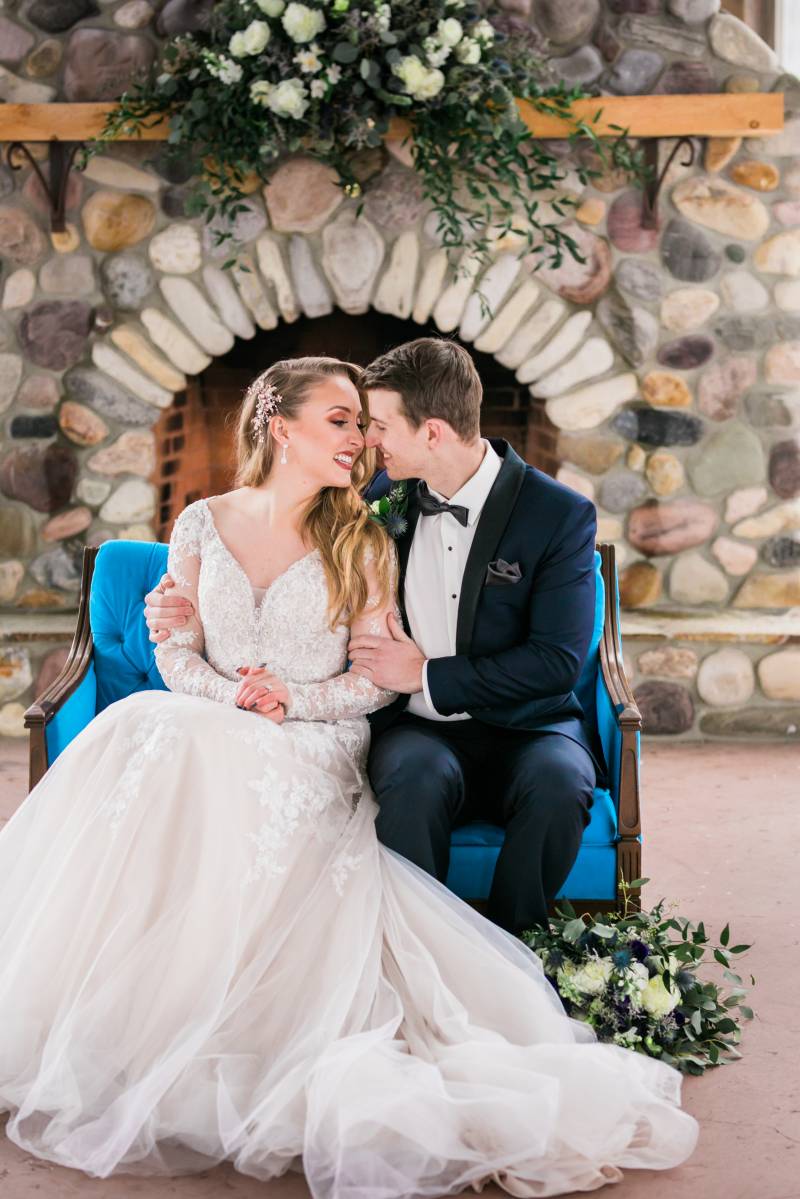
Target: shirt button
450,547
454,595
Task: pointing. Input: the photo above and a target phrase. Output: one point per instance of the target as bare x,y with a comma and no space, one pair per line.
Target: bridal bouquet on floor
633,977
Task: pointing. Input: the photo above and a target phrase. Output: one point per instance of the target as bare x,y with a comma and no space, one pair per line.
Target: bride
207,955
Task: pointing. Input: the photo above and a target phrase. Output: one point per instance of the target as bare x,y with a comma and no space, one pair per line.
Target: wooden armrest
45,706
629,718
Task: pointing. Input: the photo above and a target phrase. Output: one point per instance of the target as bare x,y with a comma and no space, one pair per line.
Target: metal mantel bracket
61,157
653,187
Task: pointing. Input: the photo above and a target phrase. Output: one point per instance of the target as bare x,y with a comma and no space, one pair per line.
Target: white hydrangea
483,31
224,69
271,8
301,22
308,60
383,17
260,91
289,98
251,40
421,82
592,977
435,53
333,74
449,31
468,51
317,88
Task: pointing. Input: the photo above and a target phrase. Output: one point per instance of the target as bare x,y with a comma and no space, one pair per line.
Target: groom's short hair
436,380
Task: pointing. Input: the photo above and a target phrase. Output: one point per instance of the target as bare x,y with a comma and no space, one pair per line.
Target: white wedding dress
206,954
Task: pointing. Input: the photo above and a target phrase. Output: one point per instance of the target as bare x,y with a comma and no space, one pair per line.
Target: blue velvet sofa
111,656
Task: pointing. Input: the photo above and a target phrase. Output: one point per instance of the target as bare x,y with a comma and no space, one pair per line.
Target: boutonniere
390,510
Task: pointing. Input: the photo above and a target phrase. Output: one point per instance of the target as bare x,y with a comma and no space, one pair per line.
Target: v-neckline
259,606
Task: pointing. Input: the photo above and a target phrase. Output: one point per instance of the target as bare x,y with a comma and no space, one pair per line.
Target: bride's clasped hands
261,691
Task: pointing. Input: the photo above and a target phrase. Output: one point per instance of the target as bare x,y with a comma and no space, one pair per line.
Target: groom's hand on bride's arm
164,612
393,663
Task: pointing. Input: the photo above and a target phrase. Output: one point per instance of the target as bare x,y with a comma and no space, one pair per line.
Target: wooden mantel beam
715,115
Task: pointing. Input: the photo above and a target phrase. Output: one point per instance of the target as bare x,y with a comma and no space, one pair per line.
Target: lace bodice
288,631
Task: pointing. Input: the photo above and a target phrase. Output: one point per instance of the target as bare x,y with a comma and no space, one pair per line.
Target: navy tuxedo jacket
520,646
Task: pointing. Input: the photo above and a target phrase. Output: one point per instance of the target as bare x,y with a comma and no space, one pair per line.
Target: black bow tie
430,506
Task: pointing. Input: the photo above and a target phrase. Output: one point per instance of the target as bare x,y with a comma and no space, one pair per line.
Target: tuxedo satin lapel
404,544
491,524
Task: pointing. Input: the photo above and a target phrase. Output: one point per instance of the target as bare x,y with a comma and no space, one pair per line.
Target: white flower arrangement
635,982
330,78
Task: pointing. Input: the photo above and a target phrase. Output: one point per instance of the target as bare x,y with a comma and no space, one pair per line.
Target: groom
497,593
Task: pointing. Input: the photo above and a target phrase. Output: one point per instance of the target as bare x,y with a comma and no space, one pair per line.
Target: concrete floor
721,841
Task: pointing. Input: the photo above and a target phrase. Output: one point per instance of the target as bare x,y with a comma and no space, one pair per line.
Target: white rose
411,70
302,23
449,31
431,85
289,98
420,82
592,978
483,31
271,8
236,45
260,91
254,37
468,51
656,999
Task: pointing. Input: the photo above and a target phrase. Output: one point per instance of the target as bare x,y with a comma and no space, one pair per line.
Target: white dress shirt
435,572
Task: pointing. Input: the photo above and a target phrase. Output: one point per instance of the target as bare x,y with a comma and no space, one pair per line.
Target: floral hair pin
267,401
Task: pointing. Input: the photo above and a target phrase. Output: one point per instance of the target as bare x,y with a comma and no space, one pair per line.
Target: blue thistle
396,524
622,958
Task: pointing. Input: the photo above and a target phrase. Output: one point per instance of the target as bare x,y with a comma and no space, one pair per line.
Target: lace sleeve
349,695
179,658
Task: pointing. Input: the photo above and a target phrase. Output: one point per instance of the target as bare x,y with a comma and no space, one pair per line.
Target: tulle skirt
206,955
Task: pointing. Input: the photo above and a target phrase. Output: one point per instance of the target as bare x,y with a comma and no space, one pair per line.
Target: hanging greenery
329,77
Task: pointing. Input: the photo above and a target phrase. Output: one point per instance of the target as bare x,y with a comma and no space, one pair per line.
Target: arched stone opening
194,438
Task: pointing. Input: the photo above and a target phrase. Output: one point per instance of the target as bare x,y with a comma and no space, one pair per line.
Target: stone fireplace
194,438
660,377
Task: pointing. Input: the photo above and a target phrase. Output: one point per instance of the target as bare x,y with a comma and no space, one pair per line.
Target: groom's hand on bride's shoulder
164,612
394,663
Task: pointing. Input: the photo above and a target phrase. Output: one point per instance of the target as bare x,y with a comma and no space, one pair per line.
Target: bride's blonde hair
336,520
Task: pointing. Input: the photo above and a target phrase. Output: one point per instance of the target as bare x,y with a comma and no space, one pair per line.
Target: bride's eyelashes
361,428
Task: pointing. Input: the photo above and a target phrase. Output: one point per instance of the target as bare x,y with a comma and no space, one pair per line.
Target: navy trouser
430,776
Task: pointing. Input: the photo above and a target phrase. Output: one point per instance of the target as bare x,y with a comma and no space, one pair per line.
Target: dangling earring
284,459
